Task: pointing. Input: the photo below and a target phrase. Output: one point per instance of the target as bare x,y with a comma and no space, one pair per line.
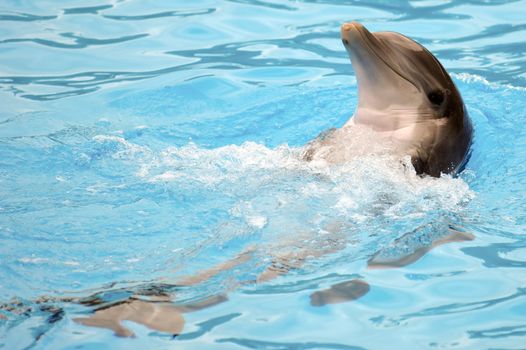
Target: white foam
372,171
257,221
472,78
33,260
278,192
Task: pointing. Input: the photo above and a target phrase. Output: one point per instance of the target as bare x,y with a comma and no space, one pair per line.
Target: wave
229,48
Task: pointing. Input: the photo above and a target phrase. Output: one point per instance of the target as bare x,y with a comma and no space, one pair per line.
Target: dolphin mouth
362,44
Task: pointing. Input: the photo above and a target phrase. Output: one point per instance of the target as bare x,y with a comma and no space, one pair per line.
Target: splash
276,199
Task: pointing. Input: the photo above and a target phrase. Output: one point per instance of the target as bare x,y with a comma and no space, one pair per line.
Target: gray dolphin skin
406,95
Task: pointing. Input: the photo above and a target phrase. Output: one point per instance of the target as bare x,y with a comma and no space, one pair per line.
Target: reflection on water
159,315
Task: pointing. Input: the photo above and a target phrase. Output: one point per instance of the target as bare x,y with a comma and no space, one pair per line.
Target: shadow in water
340,293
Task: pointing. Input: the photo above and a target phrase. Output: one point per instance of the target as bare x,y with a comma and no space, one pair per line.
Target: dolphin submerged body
407,98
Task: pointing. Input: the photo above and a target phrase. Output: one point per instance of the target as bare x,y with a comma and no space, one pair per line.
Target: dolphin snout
350,32
350,26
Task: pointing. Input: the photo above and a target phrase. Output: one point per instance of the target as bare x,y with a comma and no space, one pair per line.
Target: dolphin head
399,81
405,93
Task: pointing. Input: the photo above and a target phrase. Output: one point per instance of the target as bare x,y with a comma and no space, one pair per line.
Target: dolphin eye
436,97
345,42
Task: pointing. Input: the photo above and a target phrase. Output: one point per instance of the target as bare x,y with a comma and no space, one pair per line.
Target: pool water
143,143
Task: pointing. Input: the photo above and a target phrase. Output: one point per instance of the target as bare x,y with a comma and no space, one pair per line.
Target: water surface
146,141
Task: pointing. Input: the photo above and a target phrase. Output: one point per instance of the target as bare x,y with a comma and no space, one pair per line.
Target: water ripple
494,31
80,42
267,345
492,255
499,332
207,326
24,17
177,13
447,309
86,10
309,47
408,11
206,59
81,82
264,4
301,285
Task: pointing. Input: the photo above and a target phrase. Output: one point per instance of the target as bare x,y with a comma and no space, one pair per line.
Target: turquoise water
145,141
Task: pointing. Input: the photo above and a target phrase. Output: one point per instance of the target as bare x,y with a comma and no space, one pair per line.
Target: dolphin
406,96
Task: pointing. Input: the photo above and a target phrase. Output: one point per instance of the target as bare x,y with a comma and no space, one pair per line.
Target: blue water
145,141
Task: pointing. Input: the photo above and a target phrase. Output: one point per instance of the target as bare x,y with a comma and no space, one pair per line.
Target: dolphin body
406,96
